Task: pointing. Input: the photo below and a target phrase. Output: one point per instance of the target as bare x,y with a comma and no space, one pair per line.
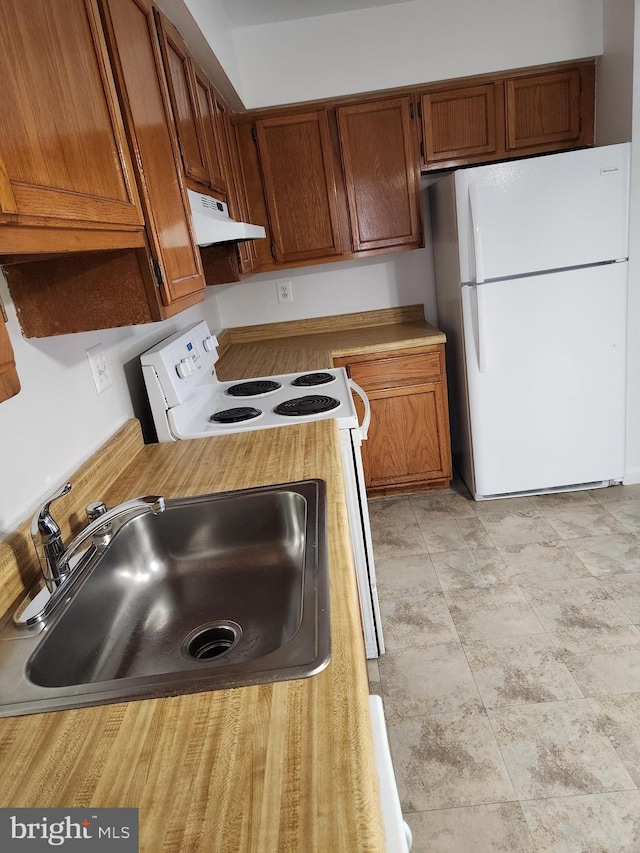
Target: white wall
615,73
58,419
414,42
386,281
633,325
340,288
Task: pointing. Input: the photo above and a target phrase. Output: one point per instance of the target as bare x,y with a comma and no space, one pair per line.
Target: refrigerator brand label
609,170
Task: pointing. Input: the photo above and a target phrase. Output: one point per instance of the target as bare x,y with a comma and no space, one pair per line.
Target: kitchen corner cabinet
531,111
9,381
229,262
299,182
409,445
66,177
380,161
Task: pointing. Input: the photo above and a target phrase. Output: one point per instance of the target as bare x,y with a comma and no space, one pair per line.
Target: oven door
350,442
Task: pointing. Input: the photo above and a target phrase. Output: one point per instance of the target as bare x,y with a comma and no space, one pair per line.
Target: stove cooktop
215,407
187,397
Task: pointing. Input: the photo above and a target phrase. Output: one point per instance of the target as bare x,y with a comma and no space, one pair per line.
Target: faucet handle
43,522
95,509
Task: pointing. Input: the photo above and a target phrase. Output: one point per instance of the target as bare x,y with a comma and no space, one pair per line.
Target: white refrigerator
531,278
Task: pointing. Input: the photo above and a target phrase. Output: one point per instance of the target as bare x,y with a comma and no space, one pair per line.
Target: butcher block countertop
281,767
249,351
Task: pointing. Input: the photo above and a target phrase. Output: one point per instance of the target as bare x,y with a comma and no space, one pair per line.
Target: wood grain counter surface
272,768
250,351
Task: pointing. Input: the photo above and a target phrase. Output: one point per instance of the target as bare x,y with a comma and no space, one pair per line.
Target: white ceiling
248,13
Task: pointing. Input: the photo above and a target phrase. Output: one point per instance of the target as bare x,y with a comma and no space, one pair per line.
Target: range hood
212,223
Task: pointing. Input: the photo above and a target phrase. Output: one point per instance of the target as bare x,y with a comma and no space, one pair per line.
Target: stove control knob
210,343
186,367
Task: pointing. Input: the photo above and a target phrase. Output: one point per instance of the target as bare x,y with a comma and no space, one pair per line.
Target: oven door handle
364,426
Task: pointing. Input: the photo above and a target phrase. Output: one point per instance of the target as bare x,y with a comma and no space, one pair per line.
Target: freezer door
543,213
545,369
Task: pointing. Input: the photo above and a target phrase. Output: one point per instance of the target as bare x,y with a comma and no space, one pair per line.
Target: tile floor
511,682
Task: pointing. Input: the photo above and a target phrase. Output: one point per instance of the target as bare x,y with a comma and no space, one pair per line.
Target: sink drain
211,641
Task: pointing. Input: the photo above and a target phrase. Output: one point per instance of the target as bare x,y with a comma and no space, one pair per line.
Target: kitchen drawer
405,367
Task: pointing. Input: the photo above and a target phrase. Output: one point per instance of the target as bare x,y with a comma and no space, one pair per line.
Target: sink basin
217,591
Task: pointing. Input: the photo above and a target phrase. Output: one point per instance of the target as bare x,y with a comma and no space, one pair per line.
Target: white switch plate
284,290
100,368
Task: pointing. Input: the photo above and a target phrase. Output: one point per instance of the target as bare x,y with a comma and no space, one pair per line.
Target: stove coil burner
236,415
313,404
311,379
253,388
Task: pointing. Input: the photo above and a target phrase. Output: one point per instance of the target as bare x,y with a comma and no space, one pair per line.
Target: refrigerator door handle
366,420
482,336
477,234
474,310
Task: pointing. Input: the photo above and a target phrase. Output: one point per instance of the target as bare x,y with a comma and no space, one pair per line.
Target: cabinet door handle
366,421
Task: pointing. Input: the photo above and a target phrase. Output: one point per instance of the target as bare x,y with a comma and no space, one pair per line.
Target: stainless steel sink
215,592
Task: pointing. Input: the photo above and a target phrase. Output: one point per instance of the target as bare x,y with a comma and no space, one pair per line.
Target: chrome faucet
54,557
47,540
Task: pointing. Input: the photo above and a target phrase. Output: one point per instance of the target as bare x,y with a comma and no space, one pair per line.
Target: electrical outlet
100,368
284,289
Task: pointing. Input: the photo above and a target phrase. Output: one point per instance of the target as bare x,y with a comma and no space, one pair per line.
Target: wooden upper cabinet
9,382
461,123
543,109
380,161
299,185
509,115
133,44
211,131
184,100
64,158
237,192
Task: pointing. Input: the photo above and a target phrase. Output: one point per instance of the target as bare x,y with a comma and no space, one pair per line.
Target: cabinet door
238,204
133,43
380,159
543,109
460,124
408,437
208,108
63,150
9,382
409,444
299,185
182,90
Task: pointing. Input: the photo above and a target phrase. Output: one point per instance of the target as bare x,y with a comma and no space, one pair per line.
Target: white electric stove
189,401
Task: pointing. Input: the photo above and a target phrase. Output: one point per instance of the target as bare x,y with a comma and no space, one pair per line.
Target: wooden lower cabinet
409,446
